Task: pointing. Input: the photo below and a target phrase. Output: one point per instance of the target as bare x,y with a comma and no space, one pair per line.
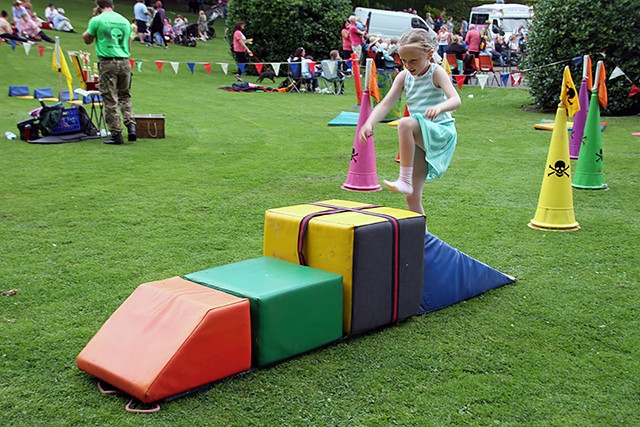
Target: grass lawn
83,224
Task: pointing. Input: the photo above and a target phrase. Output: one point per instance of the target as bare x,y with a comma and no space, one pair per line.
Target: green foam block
294,308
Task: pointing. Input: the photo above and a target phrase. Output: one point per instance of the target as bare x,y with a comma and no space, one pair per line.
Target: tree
279,27
566,29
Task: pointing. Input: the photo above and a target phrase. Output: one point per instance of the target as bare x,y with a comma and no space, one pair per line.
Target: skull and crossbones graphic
560,169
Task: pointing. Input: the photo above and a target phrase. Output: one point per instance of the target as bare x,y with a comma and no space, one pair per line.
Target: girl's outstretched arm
383,108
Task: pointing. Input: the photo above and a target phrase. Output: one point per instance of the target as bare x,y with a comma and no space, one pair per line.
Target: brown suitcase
150,125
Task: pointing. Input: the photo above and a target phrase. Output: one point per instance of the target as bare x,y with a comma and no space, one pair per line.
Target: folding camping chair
332,80
454,64
486,66
300,84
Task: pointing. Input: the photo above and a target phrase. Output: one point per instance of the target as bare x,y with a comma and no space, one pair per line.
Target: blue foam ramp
21,91
345,118
451,276
45,92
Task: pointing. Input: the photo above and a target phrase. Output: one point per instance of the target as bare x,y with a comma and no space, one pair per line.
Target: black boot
116,139
131,128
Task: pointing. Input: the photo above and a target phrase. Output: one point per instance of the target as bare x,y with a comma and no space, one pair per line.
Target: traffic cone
577,133
590,167
555,206
362,168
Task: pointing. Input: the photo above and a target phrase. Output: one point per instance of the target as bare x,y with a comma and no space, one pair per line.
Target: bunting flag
603,96
13,45
589,73
295,68
312,67
276,67
132,63
482,79
207,68
569,94
159,64
241,67
258,66
460,80
175,66
505,79
617,72
372,85
40,50
191,66
515,78
59,64
634,90
27,48
139,66
331,67
446,65
577,61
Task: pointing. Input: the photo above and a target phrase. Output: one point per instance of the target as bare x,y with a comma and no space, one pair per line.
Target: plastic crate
69,122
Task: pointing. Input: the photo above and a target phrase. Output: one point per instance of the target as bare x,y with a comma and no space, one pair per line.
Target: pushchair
188,36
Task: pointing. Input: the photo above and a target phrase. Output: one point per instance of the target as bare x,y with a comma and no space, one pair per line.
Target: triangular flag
191,66
447,67
634,90
241,67
225,67
207,68
40,50
505,79
132,63
27,48
312,67
276,67
13,45
374,91
460,80
259,67
482,79
515,78
577,61
569,94
589,73
59,64
603,96
139,66
617,72
451,276
159,64
175,66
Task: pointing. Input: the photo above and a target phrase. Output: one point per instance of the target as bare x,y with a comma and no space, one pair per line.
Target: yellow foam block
359,247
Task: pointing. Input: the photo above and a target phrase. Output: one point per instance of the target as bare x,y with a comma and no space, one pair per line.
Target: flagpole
57,54
597,79
585,66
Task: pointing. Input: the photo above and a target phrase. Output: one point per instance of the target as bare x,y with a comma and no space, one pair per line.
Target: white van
388,24
510,16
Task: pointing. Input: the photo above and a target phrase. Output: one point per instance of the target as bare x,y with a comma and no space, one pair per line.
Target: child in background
430,98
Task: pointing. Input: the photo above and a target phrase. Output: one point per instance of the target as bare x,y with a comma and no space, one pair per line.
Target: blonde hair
418,38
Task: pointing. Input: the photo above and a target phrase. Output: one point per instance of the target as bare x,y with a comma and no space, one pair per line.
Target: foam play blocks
18,91
377,250
451,276
169,337
294,308
45,93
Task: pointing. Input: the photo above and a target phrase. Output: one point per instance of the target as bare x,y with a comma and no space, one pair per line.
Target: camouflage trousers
115,85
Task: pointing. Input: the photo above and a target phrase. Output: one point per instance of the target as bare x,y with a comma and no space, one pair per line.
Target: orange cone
555,206
362,168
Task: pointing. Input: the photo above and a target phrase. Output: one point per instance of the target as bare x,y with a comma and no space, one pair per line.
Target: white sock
403,183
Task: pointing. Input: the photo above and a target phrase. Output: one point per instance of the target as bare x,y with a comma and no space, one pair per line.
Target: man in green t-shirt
112,34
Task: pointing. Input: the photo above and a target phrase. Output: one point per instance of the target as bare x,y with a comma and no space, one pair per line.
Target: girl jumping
430,98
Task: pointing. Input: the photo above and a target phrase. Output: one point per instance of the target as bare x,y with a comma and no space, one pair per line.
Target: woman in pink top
355,35
240,49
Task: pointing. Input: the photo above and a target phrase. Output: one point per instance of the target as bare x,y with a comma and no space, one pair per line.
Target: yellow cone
555,207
